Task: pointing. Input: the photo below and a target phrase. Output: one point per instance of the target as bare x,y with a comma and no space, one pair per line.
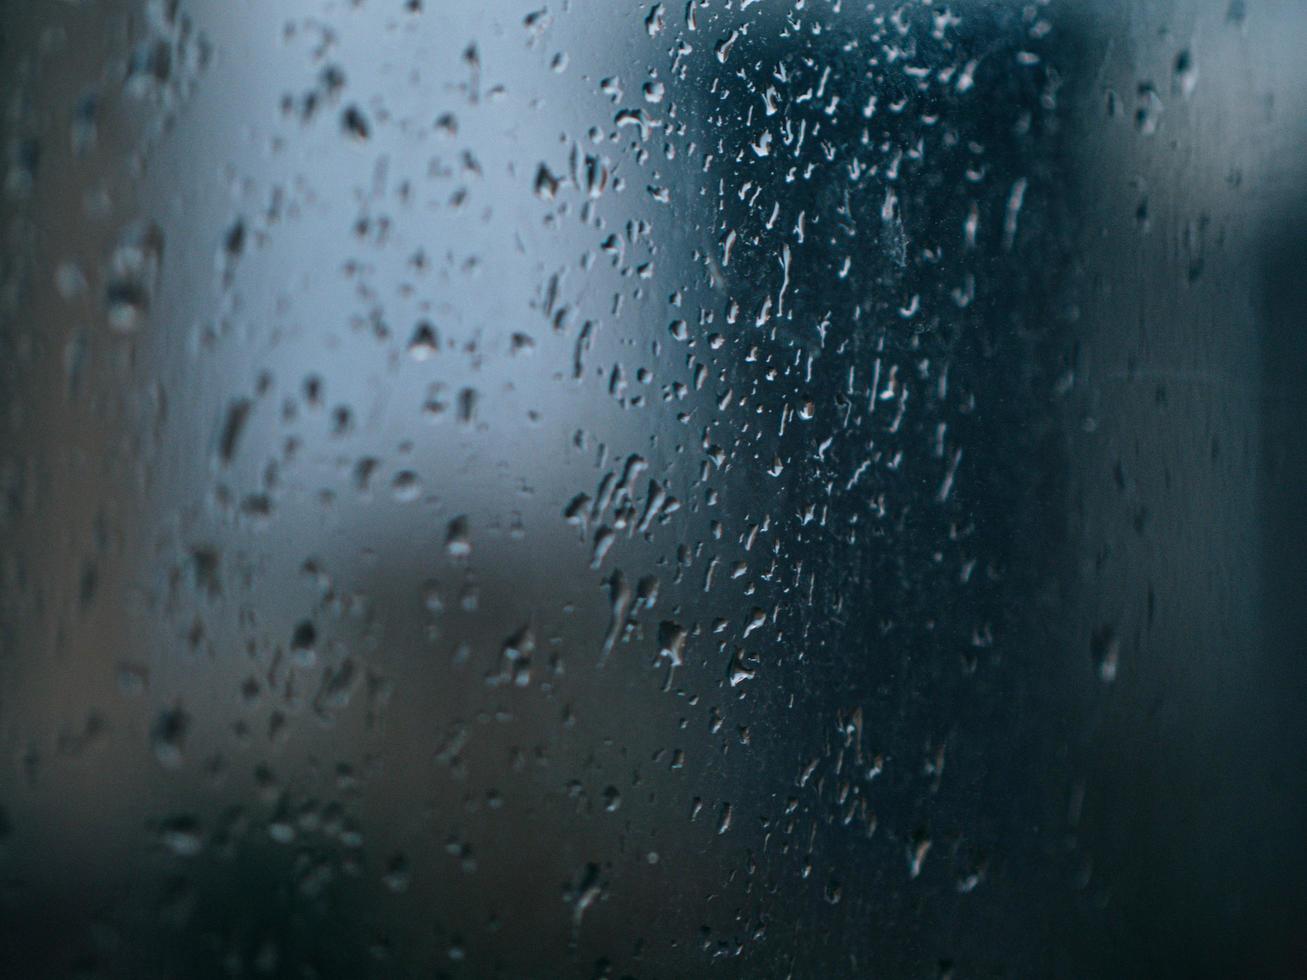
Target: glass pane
751,487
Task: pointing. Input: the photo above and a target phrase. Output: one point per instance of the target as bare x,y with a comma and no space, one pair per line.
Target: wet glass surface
613,489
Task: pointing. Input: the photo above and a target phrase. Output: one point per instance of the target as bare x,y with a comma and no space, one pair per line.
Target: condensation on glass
797,488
